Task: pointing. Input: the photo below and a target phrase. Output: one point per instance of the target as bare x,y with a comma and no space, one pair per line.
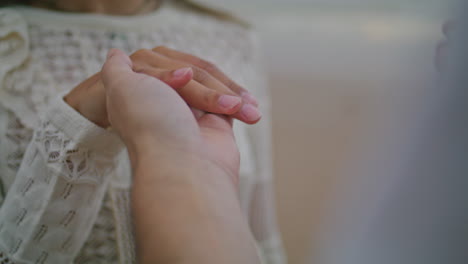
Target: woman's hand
200,83
151,117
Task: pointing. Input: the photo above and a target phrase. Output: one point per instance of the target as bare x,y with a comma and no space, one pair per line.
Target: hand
150,115
210,90
182,160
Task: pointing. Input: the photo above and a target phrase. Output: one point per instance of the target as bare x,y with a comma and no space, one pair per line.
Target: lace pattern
121,199
101,246
47,216
65,156
19,136
4,259
47,58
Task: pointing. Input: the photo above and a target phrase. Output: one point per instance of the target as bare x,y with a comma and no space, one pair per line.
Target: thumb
116,65
215,121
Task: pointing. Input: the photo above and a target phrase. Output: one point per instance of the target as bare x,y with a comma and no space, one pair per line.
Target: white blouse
65,182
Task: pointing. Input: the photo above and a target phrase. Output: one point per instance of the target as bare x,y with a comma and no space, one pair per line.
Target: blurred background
338,69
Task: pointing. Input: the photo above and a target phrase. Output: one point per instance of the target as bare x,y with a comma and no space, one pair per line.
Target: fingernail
229,101
250,113
250,98
181,72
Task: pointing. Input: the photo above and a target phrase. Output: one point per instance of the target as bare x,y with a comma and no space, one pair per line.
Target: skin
209,90
110,7
182,159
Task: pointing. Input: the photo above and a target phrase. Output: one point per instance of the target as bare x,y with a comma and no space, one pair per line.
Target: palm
143,107
218,138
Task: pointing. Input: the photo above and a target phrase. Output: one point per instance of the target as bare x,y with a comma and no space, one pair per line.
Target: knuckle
141,53
207,65
231,84
160,49
200,75
138,66
210,98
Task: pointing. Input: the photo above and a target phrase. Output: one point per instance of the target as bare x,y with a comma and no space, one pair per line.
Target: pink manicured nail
250,113
250,98
181,72
229,101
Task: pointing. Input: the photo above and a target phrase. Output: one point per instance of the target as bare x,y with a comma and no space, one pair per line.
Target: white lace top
64,181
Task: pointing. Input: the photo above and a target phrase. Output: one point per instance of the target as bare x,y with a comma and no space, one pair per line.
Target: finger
210,96
201,97
116,65
174,78
196,94
209,81
178,78
210,68
157,61
249,114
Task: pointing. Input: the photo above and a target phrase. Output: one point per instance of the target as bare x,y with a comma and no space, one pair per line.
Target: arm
54,197
57,192
204,224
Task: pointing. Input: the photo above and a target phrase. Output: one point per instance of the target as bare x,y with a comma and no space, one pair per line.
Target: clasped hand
151,117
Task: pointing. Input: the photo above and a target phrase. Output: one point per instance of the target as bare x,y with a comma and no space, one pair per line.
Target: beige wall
310,149
329,80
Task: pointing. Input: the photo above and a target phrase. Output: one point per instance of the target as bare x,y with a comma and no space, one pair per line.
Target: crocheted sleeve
58,189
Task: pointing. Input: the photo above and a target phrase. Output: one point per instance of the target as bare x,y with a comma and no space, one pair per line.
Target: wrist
201,200
159,161
185,164
169,157
146,148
